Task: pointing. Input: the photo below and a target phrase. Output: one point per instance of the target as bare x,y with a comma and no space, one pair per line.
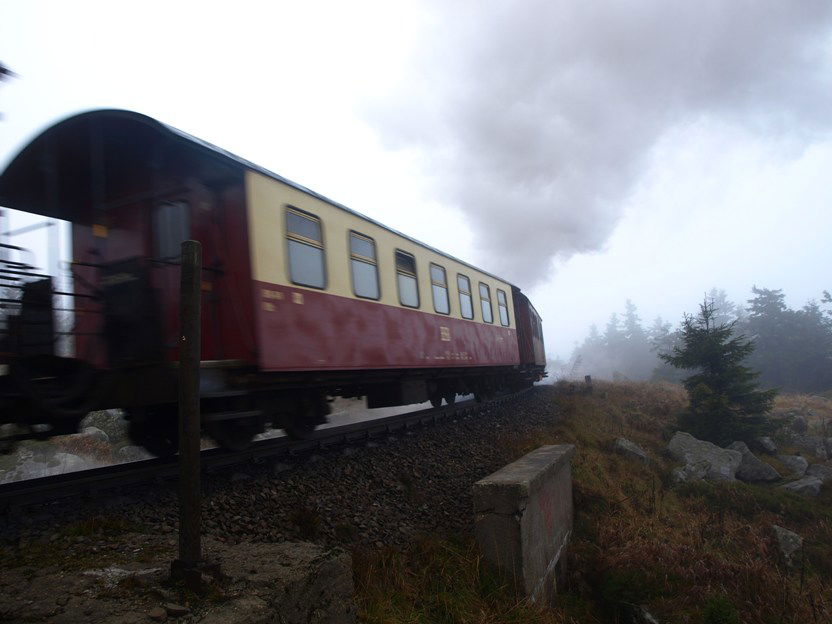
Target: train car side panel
306,330
302,328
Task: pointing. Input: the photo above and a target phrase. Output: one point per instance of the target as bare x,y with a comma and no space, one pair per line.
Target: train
303,299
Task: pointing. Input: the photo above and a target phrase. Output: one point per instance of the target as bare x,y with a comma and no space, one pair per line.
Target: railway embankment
401,508
379,495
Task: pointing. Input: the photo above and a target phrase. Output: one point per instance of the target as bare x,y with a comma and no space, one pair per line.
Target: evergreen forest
792,348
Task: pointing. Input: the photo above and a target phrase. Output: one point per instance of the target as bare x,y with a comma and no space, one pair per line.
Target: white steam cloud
538,116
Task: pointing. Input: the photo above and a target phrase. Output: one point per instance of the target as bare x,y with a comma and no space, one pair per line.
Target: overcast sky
588,151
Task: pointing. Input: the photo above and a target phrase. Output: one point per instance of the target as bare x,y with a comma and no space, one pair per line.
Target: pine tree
725,402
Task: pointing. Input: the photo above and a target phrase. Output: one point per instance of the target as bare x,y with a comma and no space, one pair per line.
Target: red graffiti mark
546,506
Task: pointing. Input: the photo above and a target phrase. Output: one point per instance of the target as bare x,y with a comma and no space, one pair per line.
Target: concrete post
190,496
523,519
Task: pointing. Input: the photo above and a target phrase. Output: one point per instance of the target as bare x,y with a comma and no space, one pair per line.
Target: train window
171,226
406,278
466,304
364,266
485,302
306,249
502,304
439,285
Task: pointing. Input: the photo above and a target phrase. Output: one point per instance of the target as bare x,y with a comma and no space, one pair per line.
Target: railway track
92,482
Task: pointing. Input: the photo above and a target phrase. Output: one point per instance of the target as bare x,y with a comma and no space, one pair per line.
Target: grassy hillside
692,553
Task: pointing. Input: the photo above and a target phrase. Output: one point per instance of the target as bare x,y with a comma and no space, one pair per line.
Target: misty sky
587,151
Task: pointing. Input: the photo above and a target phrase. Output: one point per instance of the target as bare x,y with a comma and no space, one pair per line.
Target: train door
176,219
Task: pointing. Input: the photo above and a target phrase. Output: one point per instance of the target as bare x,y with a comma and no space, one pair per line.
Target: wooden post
190,496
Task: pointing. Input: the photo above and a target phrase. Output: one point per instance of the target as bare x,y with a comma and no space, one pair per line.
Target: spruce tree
725,402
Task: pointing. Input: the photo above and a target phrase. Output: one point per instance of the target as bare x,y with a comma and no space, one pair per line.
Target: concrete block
523,519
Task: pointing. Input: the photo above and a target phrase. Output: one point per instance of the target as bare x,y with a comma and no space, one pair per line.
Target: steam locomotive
303,299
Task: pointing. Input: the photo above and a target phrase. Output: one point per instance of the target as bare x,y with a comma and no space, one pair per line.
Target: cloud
537,118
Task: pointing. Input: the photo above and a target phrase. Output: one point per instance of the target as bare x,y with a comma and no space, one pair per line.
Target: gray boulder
691,472
767,445
788,541
721,463
820,471
796,463
132,453
812,444
631,449
807,486
95,432
110,422
752,469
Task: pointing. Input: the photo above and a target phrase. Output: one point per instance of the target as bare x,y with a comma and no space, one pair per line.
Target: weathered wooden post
187,566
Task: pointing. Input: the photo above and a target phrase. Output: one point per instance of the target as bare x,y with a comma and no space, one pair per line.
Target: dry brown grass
816,409
638,539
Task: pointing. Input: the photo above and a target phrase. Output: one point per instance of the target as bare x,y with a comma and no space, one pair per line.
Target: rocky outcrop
767,445
752,469
811,444
788,541
631,449
807,486
820,471
699,456
795,463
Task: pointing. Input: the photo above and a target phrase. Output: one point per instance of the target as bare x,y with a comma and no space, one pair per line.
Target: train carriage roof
59,173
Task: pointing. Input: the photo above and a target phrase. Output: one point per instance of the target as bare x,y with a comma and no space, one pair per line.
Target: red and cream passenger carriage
303,298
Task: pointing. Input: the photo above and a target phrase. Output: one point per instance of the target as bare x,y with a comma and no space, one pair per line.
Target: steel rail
89,482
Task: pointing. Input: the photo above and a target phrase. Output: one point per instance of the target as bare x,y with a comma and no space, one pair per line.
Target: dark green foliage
793,347
725,403
720,610
624,349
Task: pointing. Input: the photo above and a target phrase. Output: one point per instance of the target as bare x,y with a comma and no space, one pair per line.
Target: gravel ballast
378,493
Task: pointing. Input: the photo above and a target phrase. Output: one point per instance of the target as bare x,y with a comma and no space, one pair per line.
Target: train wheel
298,426
308,412
234,435
156,430
436,400
450,398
